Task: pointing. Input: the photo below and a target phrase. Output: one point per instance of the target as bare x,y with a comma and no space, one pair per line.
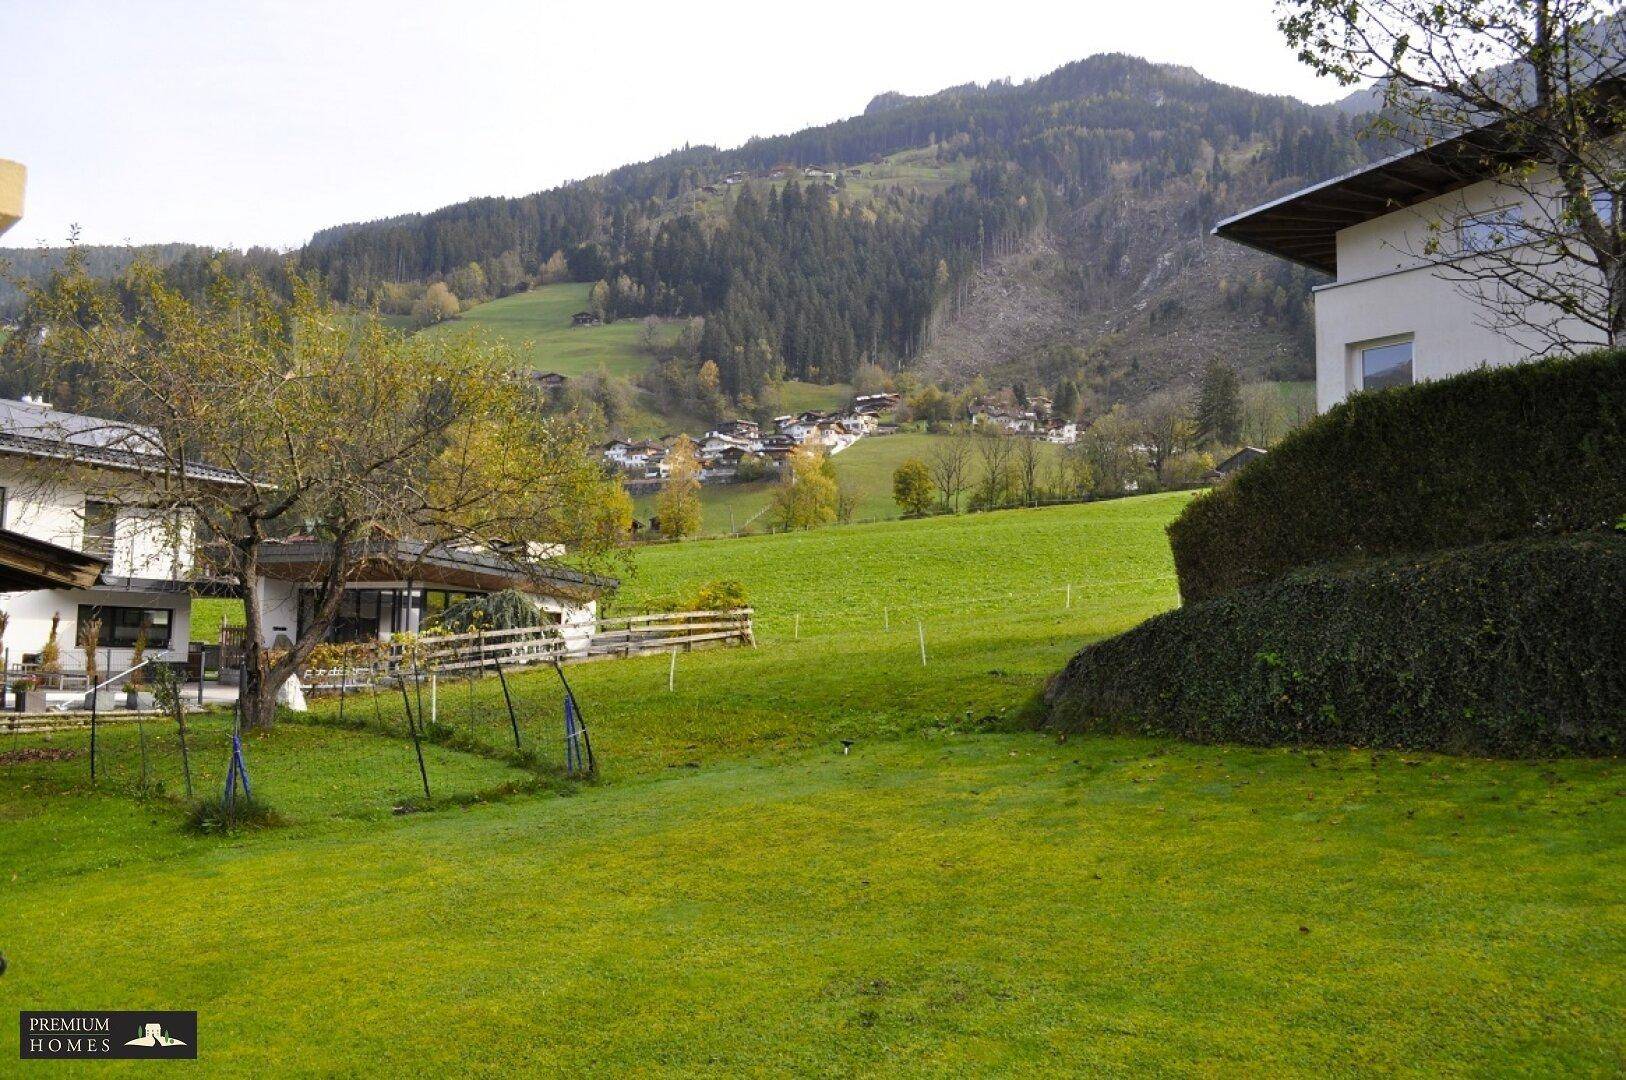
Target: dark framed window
357,618
1386,365
434,601
122,626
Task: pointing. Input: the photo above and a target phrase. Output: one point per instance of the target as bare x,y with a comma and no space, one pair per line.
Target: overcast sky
238,123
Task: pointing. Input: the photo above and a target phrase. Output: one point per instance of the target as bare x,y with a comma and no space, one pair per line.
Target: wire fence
904,608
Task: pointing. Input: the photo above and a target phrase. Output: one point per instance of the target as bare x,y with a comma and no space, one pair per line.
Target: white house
399,586
1401,238
68,480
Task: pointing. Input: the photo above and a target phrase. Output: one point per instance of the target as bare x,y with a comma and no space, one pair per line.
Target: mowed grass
954,896
536,325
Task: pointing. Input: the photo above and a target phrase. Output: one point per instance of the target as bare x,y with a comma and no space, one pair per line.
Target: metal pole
417,747
344,676
586,743
513,721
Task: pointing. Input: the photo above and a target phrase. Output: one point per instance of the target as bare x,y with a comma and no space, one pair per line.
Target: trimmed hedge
1494,454
1515,649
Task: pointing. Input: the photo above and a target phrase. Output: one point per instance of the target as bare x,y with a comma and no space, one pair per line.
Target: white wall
146,543
1390,288
280,613
30,625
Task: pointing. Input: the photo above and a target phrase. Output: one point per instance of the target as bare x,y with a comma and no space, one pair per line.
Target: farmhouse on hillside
1225,469
1401,239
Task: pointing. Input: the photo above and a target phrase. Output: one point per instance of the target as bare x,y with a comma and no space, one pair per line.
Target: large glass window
1386,365
122,626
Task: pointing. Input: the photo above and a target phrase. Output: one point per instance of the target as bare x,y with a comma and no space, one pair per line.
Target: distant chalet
585,318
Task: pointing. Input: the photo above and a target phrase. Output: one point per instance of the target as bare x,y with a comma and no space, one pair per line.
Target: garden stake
513,721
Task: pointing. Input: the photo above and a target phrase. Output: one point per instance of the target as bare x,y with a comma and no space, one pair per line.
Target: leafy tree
437,304
678,504
318,420
912,487
808,495
1219,405
1067,400
1110,447
1166,426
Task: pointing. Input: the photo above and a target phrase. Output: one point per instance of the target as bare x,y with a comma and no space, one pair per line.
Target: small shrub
1495,454
211,816
1512,649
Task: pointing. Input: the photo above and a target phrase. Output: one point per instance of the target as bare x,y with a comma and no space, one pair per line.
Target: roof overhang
29,564
422,563
1303,227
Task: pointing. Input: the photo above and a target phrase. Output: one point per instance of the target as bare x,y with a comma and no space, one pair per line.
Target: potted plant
28,695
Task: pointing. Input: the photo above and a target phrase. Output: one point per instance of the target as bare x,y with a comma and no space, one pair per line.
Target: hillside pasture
536,325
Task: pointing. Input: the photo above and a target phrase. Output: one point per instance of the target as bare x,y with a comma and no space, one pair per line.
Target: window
3,494
101,519
1604,203
121,626
1383,366
1492,229
436,601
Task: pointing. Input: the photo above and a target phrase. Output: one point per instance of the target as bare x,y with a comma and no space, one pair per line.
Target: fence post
93,697
671,674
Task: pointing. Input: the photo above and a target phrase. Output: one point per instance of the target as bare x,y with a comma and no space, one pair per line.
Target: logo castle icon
154,1035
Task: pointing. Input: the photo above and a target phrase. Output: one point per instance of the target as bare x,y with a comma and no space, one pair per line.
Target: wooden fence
631,635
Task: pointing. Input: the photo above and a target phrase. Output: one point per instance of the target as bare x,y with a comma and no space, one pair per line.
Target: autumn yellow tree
808,495
912,487
678,505
316,419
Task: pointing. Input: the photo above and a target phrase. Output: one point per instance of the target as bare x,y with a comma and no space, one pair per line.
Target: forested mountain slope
1045,230
1074,244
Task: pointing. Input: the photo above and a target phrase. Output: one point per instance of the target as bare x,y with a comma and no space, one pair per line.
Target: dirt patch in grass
29,754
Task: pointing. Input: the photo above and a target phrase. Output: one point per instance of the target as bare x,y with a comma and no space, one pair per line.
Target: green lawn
954,896
537,325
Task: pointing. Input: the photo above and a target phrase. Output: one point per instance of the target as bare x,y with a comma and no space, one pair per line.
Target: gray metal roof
421,558
36,430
